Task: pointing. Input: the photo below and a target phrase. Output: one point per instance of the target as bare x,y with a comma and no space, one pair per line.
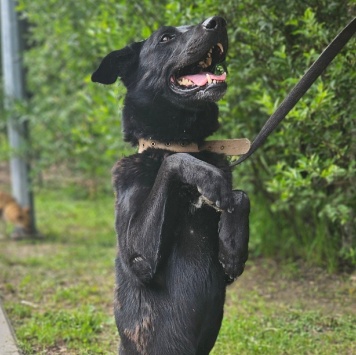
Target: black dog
175,254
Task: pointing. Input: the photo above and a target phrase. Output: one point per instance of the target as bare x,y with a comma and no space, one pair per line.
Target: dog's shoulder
141,168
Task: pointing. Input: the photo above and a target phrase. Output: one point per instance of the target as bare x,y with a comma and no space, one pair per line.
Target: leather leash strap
301,87
226,146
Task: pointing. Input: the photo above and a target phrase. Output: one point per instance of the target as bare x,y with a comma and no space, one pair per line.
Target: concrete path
8,344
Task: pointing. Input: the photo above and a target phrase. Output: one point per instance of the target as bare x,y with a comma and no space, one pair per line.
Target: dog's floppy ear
117,63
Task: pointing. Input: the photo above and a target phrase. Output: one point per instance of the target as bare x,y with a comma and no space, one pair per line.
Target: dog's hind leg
234,236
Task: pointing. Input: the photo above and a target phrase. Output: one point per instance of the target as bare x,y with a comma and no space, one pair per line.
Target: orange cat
12,212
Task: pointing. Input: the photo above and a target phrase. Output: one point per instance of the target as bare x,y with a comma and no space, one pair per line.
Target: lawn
58,291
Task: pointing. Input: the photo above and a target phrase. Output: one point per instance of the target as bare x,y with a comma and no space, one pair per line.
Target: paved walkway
8,344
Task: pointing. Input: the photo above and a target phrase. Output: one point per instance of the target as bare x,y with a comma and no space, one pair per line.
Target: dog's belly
184,302
176,314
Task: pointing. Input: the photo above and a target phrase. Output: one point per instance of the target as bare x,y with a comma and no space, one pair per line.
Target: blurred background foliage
302,181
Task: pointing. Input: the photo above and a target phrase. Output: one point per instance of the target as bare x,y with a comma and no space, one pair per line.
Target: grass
58,292
262,328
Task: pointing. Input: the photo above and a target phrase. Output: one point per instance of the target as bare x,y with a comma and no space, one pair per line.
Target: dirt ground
310,287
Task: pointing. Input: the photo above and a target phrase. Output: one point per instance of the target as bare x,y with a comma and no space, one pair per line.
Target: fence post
14,91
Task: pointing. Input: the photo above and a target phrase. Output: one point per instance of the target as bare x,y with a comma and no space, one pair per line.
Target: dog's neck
167,123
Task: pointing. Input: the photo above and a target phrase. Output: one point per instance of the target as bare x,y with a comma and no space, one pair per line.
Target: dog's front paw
234,237
141,268
218,196
233,268
212,183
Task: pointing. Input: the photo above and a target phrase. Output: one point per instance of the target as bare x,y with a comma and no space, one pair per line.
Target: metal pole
14,91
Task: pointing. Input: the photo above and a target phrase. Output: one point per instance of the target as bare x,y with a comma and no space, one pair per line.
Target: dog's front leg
234,236
140,213
141,210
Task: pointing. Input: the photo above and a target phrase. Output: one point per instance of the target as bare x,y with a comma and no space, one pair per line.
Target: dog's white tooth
185,82
221,47
209,78
208,62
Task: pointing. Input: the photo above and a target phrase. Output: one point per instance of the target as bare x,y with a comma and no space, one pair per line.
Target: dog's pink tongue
203,78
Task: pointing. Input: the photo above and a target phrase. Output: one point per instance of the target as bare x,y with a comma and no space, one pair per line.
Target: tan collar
227,146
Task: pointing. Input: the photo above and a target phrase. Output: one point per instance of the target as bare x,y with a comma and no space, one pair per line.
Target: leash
301,88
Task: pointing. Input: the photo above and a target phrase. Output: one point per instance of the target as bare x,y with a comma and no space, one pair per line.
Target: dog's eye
166,38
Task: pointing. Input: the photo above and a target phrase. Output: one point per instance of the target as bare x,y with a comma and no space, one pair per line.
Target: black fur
175,254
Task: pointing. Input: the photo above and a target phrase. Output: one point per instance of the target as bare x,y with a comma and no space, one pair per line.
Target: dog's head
179,64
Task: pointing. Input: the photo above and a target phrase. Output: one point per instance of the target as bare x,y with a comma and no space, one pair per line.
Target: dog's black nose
214,23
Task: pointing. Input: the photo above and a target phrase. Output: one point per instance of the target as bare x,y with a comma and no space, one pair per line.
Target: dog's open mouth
203,73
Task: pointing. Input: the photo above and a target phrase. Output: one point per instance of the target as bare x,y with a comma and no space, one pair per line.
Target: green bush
305,173
302,180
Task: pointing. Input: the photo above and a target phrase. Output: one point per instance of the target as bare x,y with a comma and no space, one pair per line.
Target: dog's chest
192,225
